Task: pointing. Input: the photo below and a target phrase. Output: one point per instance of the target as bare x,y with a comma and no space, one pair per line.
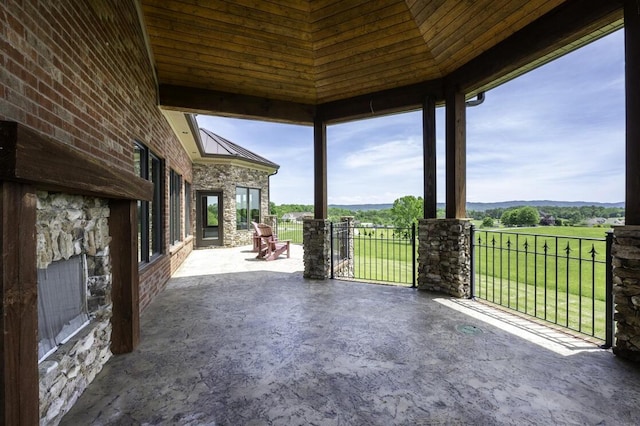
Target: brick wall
79,72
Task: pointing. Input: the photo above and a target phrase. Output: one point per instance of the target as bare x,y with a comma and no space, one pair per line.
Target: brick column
316,238
444,261
626,291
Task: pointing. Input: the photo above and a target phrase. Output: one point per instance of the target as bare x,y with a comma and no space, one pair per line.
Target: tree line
408,209
548,215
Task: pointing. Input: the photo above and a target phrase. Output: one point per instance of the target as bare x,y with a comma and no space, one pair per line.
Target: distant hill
487,206
537,203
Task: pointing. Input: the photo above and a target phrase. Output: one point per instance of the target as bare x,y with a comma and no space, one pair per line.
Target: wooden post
19,394
632,101
456,151
123,227
429,157
320,168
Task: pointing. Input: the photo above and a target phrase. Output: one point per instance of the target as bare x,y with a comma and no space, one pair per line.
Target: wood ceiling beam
384,102
569,22
213,102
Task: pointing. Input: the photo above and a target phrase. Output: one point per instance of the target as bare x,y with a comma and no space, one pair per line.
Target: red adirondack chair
266,243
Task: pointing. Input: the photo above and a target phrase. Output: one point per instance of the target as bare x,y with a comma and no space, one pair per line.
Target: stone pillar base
316,238
444,256
626,291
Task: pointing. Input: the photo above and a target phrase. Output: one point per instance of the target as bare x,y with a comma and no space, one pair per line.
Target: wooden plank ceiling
314,52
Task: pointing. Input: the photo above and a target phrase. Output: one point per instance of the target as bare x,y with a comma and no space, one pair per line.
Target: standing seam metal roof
216,145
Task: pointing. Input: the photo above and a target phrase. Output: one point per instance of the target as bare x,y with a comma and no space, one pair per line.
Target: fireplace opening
62,303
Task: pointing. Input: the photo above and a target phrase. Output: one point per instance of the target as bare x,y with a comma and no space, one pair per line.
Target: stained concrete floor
263,346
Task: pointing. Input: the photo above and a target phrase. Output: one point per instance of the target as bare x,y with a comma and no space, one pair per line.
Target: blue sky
555,133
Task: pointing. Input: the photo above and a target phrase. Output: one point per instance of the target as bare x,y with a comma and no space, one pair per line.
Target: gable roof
215,146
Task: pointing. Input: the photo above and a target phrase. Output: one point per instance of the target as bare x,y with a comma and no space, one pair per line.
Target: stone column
271,220
316,237
626,291
444,256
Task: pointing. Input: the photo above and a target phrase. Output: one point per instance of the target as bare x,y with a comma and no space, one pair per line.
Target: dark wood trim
384,102
569,22
214,102
632,103
29,157
429,156
456,161
19,390
321,209
125,321
200,213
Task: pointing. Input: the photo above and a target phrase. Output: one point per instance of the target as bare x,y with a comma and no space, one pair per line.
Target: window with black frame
187,209
247,207
175,203
149,166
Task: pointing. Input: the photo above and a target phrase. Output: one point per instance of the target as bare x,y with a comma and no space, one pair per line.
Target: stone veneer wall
626,291
270,220
316,238
225,178
444,261
67,226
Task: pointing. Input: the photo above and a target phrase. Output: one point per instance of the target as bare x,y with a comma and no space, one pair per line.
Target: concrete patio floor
236,341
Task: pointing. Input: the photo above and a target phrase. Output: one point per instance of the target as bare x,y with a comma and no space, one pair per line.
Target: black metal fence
377,254
563,280
289,230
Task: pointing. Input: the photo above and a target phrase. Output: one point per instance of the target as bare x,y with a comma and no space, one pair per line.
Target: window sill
144,265
179,245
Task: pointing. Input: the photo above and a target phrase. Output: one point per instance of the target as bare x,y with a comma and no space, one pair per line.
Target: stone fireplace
58,203
72,250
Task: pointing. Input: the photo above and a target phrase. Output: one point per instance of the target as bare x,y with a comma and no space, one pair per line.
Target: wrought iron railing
289,230
563,280
377,254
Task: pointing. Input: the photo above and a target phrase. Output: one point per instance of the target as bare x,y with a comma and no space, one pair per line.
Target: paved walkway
235,341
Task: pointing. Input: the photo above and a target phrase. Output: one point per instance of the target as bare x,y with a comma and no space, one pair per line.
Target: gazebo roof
292,60
215,146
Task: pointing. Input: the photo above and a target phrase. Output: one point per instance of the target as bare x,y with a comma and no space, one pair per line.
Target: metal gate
376,254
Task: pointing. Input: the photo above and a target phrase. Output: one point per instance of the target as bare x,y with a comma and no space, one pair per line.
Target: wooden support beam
29,157
429,156
320,169
632,103
213,102
19,382
456,151
123,227
384,102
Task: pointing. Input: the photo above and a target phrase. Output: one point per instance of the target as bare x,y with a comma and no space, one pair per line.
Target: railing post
472,283
609,324
332,249
413,254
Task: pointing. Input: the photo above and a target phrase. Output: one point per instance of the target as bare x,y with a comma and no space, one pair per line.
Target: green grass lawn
290,231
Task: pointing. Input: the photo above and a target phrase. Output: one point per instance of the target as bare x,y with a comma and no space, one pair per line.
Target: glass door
209,219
